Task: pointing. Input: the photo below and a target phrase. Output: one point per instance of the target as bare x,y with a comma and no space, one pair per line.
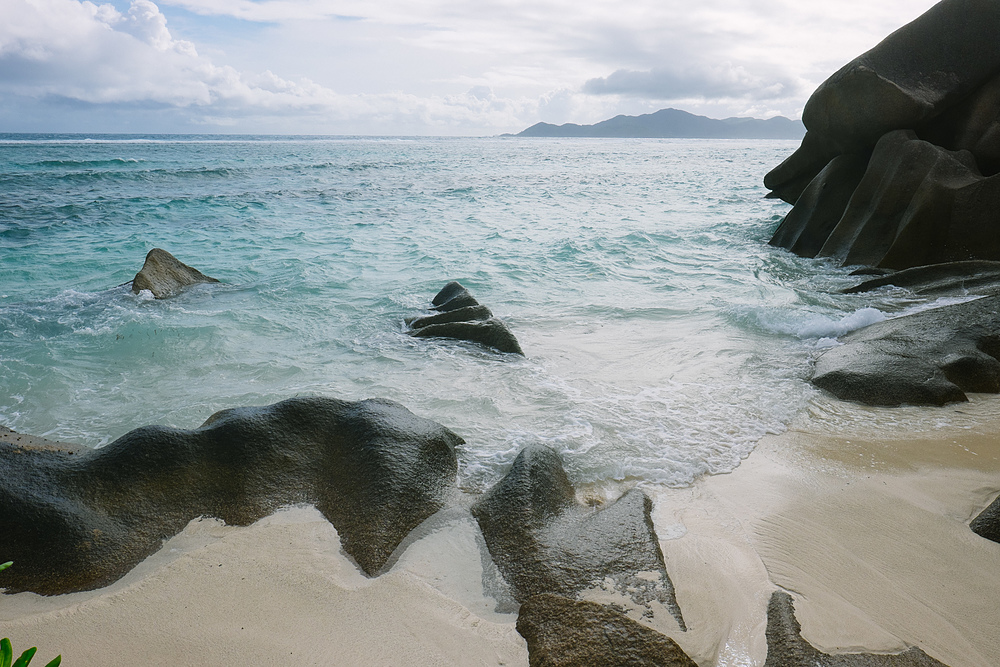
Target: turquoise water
663,336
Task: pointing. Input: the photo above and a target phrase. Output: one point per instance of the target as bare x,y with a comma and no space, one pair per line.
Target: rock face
543,541
460,316
987,524
928,358
77,520
568,633
946,279
787,648
920,111
164,275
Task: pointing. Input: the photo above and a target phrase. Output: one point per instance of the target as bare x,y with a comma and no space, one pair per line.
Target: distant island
674,124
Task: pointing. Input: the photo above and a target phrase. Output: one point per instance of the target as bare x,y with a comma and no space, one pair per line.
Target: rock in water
543,541
76,520
461,317
164,275
787,648
568,633
929,358
987,524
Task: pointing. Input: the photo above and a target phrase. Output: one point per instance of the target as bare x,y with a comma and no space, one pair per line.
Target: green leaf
6,652
4,566
26,657
55,661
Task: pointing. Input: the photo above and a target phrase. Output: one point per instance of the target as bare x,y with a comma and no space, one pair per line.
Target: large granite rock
787,648
461,317
164,275
946,279
75,519
924,105
543,541
570,633
929,358
905,81
987,524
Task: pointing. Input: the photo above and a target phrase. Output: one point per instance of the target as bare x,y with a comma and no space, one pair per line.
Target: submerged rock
987,524
543,541
74,520
949,278
787,648
569,633
461,317
164,275
929,358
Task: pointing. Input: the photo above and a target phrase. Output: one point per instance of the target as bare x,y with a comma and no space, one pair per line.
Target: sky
417,67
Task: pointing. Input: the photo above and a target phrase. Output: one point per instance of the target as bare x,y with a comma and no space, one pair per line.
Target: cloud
726,81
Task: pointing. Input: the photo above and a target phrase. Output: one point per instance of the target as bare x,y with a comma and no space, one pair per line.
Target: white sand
869,534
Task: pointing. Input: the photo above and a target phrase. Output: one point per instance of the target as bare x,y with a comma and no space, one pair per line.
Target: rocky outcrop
946,279
787,648
920,112
543,541
929,358
569,633
164,275
987,524
461,317
80,519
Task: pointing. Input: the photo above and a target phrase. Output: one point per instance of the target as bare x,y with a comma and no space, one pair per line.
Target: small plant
7,651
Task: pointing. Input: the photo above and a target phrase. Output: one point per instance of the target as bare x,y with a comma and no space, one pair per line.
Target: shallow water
663,336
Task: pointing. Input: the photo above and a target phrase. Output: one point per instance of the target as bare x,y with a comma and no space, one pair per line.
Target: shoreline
870,536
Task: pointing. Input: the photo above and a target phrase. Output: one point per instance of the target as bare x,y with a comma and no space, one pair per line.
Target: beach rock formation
987,524
164,275
929,358
946,279
570,633
543,541
460,316
80,519
787,648
897,168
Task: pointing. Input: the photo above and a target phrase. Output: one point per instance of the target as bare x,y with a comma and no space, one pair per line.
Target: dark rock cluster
460,316
899,164
78,519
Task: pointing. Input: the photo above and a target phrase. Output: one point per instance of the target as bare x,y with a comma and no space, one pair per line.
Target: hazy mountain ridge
674,124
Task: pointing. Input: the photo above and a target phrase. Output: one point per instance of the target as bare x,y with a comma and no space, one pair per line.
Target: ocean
663,336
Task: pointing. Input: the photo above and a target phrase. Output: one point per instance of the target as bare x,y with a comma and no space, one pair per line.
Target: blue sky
416,67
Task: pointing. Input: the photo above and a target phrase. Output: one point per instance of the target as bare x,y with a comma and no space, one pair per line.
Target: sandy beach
864,523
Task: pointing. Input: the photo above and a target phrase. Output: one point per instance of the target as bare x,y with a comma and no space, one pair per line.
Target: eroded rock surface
543,541
461,317
920,112
787,648
77,520
569,633
929,358
164,275
987,524
945,279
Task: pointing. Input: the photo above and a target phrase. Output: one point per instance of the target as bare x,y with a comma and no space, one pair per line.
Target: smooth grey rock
164,275
569,633
787,648
461,317
492,333
905,81
928,358
543,541
973,125
452,297
76,520
466,314
950,278
820,206
987,524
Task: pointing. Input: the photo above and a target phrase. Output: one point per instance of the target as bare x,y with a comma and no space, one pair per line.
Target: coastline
869,535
